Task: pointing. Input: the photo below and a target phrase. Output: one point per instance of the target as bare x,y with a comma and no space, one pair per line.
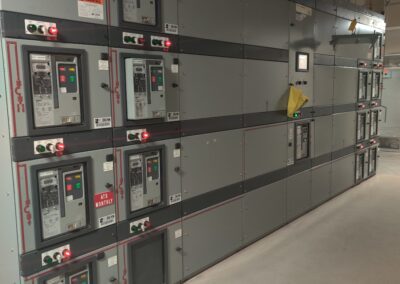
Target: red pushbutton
69,187
145,135
60,146
63,78
167,43
53,31
147,225
67,254
141,40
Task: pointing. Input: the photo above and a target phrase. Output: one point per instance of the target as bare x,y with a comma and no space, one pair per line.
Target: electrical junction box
145,88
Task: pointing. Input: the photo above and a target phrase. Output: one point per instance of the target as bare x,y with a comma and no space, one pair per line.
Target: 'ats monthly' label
104,199
91,9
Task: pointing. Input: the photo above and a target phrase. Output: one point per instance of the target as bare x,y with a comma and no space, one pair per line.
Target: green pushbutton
78,185
40,148
48,260
72,79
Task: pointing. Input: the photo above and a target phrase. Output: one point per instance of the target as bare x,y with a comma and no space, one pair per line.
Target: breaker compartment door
373,159
148,261
302,139
145,180
55,89
81,276
361,168
63,200
364,82
362,123
145,88
376,85
374,131
142,12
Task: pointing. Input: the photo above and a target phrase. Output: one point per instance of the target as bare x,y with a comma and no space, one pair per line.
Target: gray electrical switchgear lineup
143,141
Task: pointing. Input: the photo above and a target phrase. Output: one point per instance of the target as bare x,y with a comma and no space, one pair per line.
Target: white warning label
92,9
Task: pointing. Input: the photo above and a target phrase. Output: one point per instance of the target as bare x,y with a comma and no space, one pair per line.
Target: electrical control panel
145,88
373,160
364,84
362,165
299,139
56,256
377,78
374,122
63,200
79,277
145,180
142,12
302,138
55,89
363,120
38,28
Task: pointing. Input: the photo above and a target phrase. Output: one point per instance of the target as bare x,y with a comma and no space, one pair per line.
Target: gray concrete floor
354,238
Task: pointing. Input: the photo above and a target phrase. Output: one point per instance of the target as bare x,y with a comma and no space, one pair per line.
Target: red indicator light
69,187
141,40
62,68
145,135
147,225
63,79
153,79
67,253
60,146
53,31
167,43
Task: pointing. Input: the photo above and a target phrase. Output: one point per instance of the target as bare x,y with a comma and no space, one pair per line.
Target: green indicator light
32,28
131,137
48,260
78,185
40,148
72,79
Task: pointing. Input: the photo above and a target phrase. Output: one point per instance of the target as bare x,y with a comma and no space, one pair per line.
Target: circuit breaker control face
362,121
80,277
374,123
361,166
62,199
376,85
56,98
302,141
363,85
140,12
145,88
145,180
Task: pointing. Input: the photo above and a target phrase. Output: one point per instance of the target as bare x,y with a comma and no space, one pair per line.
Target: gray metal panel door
210,86
211,161
265,150
323,132
265,86
356,50
346,86
298,195
344,130
264,210
211,19
261,16
210,236
324,29
343,174
321,184
323,85
82,11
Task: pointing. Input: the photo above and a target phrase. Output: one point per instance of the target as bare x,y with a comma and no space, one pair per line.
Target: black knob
105,86
177,169
109,186
178,249
113,280
175,85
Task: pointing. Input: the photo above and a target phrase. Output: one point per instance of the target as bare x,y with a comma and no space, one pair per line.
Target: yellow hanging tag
353,26
296,101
